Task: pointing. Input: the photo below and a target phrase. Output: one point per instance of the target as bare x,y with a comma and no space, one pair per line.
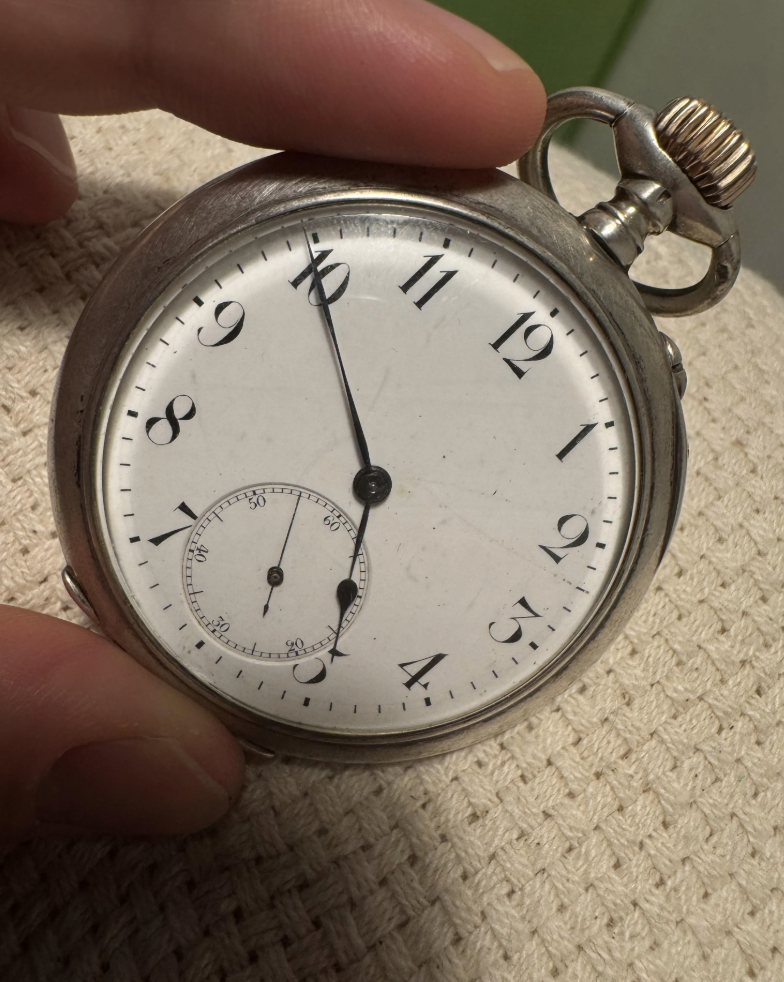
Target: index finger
395,80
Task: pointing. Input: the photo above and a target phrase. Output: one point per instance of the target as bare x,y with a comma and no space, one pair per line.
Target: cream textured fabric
632,831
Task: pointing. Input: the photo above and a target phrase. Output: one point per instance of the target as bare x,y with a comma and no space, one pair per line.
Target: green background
568,42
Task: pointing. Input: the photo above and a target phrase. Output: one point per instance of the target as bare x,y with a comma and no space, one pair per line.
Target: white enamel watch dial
484,389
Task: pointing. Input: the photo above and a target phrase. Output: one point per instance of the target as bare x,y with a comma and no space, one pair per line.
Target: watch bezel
286,183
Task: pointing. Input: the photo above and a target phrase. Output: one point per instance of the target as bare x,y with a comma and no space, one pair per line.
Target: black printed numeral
229,316
532,334
159,435
310,672
315,269
517,631
426,665
578,526
158,539
584,431
446,276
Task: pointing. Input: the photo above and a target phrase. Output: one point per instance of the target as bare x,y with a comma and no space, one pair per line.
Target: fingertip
37,170
139,786
397,81
108,747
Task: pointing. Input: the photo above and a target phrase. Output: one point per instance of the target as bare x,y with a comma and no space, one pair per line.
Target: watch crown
709,149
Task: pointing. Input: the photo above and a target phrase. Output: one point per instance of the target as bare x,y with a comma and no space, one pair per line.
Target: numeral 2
573,541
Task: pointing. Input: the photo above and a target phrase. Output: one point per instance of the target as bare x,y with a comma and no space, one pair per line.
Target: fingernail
43,133
502,58
140,786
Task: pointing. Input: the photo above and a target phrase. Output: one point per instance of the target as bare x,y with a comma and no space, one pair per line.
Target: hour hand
347,589
347,593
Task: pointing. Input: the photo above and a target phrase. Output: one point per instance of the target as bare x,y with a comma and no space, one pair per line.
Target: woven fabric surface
631,831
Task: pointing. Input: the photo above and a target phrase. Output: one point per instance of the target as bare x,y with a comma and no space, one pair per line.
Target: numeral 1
313,269
446,276
586,429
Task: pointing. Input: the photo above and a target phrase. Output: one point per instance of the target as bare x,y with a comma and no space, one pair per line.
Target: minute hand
322,295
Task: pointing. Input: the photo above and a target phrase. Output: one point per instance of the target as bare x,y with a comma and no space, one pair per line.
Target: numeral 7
158,539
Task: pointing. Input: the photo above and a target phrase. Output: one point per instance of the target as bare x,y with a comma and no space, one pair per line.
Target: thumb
91,741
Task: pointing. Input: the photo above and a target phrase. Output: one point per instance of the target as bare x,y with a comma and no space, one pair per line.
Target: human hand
89,740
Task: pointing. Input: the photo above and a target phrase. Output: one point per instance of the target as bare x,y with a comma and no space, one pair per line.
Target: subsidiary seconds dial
262,566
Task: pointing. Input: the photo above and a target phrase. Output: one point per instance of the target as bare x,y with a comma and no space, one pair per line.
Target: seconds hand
275,573
372,484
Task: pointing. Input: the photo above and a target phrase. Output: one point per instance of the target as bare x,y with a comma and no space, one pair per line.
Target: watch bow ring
681,168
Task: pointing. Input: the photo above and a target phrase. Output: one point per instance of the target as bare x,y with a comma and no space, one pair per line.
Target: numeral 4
426,665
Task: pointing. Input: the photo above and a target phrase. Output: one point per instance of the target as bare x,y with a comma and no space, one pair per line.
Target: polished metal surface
708,147
76,592
295,185
639,208
622,224
676,364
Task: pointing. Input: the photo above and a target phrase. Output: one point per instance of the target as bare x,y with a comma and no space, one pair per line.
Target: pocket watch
372,460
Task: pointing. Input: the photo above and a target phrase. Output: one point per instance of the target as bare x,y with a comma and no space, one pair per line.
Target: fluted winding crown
708,148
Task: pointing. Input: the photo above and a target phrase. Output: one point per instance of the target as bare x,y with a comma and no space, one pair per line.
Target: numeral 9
236,316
